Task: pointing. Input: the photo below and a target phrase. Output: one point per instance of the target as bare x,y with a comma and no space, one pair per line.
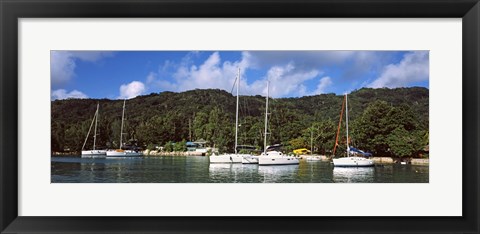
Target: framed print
270,116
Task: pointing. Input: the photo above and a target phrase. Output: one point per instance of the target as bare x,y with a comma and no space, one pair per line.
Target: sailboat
349,161
120,153
93,153
235,157
270,155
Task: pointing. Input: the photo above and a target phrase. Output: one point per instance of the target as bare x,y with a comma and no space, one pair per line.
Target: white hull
250,159
123,153
277,160
94,153
226,158
353,162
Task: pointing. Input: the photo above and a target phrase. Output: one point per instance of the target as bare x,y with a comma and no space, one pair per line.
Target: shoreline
153,153
379,160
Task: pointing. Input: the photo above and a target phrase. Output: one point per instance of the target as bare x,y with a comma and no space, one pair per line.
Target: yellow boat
301,151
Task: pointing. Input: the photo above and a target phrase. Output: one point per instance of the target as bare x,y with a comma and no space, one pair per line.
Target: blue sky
127,74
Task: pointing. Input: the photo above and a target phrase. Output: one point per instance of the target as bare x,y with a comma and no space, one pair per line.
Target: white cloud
284,80
414,67
322,85
62,94
63,63
290,73
131,90
213,73
350,64
62,67
303,59
152,76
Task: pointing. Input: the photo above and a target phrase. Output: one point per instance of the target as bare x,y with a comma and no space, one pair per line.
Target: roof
355,150
200,141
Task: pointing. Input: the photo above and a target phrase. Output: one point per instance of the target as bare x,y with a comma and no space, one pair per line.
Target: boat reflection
237,172
278,173
97,170
354,174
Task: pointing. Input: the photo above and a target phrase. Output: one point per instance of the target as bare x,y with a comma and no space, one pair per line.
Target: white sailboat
273,157
121,153
93,153
235,157
249,159
351,161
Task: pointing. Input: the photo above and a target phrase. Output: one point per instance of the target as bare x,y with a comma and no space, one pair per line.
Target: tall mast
121,129
338,129
95,131
236,115
311,141
266,121
189,130
346,115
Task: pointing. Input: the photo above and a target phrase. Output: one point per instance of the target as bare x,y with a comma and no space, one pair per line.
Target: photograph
276,116
246,116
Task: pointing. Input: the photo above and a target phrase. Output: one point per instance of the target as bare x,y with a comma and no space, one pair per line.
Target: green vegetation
386,122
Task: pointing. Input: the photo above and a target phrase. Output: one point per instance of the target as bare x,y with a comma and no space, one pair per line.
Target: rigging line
234,82
89,129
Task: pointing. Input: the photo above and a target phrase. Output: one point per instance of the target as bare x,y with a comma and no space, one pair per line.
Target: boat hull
353,162
250,159
310,158
226,158
277,160
94,153
123,154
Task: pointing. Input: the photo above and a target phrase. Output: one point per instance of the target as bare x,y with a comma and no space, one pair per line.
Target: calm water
198,170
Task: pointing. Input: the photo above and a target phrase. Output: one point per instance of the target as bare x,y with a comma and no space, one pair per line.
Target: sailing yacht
270,155
235,157
121,153
93,153
351,161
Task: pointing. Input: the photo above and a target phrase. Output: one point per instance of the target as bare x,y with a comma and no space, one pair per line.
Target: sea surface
183,169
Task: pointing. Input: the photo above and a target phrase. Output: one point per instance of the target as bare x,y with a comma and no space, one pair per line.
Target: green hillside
386,122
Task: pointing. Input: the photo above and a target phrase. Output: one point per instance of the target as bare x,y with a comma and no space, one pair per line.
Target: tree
389,131
168,146
297,143
403,143
199,125
159,118
219,130
180,146
372,128
324,136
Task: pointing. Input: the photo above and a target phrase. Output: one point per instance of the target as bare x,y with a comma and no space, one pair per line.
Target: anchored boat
271,155
235,157
93,153
350,161
121,152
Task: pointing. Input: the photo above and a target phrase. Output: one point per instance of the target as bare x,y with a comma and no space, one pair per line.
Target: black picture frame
11,11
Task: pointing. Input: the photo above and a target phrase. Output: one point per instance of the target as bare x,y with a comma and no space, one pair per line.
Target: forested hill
156,119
